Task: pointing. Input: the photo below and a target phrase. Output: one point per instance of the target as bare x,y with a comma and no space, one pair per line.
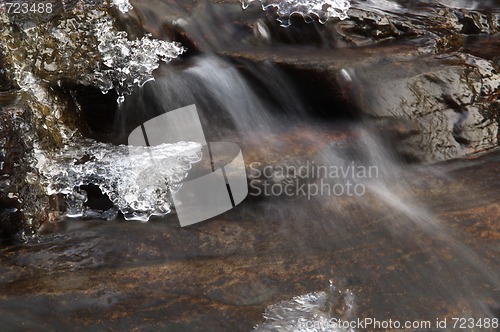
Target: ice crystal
309,313
127,63
137,180
322,9
122,5
83,46
80,45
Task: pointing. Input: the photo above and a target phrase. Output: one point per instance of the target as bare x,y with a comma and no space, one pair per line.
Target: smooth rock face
449,101
452,105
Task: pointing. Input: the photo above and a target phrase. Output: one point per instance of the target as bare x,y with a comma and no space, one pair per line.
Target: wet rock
370,23
453,110
451,101
222,274
46,57
474,23
466,127
23,202
486,228
5,77
449,43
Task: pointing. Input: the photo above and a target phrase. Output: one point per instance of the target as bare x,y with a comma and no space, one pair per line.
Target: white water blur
405,218
224,97
218,88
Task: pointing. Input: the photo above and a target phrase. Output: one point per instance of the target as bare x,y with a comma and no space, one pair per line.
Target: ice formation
123,63
82,46
127,63
137,180
322,9
309,313
122,5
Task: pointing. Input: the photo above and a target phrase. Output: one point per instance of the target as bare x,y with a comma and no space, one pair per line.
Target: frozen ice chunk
122,5
83,46
127,63
137,180
314,312
322,9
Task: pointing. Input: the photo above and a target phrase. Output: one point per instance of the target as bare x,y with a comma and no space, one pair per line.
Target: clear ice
122,5
125,63
322,9
311,312
82,46
137,180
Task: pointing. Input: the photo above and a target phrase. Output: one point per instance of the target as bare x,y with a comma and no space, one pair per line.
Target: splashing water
137,180
322,9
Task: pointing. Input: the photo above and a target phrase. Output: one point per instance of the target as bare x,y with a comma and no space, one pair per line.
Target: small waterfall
224,97
227,98
348,185
409,219
405,220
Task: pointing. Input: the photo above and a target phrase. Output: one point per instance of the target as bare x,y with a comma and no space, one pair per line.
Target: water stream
334,199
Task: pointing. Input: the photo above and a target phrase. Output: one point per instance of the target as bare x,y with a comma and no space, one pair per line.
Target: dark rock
23,202
450,99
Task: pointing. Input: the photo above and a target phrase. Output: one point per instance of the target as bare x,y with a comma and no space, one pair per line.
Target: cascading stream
254,102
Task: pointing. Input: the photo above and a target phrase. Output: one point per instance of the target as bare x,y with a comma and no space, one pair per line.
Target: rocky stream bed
409,87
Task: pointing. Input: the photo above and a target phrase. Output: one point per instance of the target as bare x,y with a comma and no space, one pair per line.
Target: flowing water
337,225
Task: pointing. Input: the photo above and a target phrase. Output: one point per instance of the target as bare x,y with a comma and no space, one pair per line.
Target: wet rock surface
418,64
24,204
448,101
221,274
452,103
423,77
415,63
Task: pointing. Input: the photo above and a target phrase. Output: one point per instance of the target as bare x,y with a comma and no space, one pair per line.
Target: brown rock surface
220,275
